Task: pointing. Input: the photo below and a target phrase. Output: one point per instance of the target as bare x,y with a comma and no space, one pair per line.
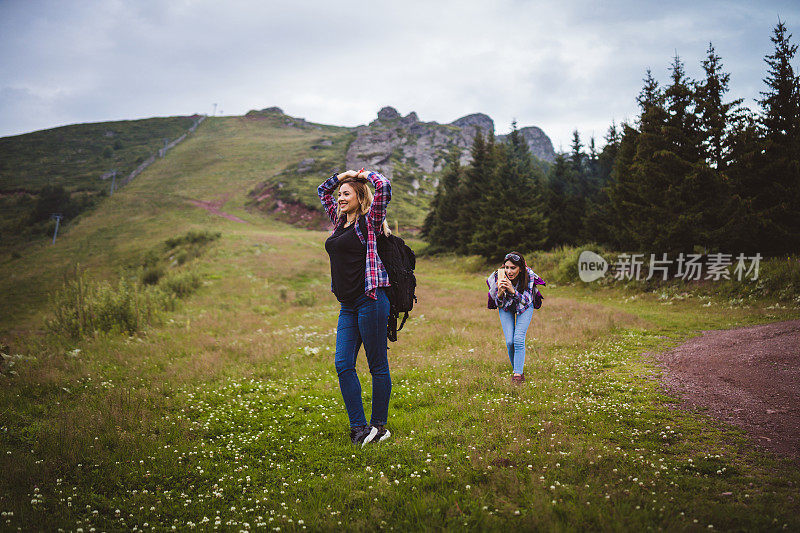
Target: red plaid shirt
375,273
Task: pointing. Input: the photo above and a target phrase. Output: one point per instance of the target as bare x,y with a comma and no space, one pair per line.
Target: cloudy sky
558,65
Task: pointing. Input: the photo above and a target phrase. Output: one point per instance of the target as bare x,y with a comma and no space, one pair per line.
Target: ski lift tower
57,217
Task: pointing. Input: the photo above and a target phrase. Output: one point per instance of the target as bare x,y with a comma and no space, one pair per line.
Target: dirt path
214,207
749,377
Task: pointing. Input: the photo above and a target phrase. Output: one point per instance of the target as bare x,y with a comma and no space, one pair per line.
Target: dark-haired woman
359,281
514,295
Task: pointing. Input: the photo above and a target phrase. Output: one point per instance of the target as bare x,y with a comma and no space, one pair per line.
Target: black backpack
399,261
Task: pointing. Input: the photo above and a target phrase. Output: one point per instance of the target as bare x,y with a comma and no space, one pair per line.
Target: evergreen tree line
694,172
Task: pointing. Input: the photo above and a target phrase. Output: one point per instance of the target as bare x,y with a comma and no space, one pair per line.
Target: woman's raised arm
325,192
383,194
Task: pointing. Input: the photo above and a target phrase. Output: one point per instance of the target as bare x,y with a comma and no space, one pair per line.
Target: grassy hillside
290,194
69,164
225,411
76,156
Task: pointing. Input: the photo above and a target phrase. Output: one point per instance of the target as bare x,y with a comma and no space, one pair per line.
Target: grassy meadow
223,411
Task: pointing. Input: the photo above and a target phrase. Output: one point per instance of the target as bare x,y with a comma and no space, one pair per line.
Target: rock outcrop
394,142
404,148
538,142
480,120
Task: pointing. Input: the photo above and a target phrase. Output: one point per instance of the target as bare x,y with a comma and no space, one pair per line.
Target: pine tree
620,212
443,221
640,203
576,154
714,114
565,203
597,224
605,160
475,182
592,168
512,214
710,173
745,229
777,202
781,102
674,188
681,127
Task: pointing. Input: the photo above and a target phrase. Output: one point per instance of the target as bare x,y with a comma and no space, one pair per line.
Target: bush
151,275
193,237
181,284
151,258
780,277
82,307
305,298
183,256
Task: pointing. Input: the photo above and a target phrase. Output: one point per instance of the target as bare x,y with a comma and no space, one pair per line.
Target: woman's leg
507,323
348,342
520,330
372,320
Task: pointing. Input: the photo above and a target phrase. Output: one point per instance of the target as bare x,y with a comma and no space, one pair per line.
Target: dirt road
749,377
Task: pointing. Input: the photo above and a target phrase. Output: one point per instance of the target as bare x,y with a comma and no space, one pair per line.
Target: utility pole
113,181
58,217
215,110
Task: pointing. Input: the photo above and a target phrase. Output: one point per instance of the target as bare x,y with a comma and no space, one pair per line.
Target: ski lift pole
58,217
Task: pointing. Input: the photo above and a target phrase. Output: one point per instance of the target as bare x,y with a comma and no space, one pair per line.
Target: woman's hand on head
363,175
347,174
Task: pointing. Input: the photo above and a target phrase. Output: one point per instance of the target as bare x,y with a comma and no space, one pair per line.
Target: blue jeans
364,322
515,327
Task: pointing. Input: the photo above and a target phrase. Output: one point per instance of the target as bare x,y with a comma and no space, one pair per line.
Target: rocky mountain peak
388,113
539,143
480,120
395,144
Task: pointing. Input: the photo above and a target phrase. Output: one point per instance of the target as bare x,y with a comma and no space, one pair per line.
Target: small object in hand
501,276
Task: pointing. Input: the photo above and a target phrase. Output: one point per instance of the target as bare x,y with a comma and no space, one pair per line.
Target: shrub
151,275
181,284
193,237
82,307
305,298
182,256
151,258
780,277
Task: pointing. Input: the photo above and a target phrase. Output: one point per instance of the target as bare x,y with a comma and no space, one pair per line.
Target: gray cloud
557,66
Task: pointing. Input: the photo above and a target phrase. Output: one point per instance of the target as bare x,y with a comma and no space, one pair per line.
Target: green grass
76,156
227,411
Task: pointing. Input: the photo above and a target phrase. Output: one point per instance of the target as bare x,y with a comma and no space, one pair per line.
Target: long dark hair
523,270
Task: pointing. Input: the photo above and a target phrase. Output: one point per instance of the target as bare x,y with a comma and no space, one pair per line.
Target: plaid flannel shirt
375,273
510,302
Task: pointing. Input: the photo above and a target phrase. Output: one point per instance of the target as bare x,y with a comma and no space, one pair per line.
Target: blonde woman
359,281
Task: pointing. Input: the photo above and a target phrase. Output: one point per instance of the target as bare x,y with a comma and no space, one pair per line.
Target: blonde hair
364,195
